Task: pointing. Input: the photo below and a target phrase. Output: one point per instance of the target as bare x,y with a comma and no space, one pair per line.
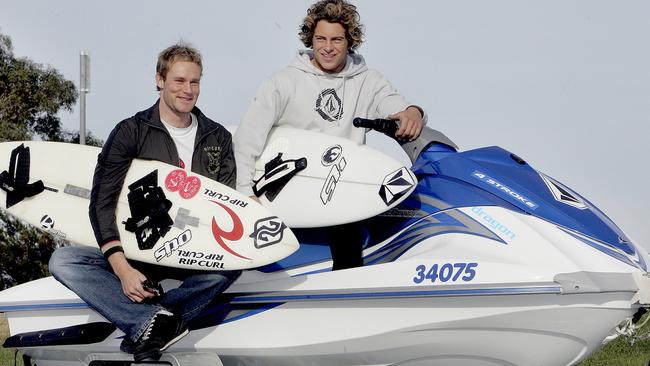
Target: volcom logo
332,178
331,155
268,231
329,105
396,185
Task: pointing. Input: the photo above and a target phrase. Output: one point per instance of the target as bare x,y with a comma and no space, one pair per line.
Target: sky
565,84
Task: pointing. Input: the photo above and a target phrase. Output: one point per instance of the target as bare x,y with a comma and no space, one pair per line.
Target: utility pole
84,88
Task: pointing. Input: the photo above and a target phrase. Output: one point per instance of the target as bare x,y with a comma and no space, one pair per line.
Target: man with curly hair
324,89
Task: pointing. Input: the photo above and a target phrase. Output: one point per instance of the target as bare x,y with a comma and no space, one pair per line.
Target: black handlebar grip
386,126
362,122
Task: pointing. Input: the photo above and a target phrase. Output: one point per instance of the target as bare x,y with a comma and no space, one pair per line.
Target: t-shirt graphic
329,105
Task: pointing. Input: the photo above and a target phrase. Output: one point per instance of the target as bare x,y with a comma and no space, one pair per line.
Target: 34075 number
445,272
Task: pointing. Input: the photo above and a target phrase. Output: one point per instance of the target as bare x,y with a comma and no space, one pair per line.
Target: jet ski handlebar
385,126
427,138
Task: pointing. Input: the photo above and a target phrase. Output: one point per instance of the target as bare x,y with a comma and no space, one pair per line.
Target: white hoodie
302,96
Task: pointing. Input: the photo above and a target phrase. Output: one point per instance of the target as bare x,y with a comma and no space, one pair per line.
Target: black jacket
143,136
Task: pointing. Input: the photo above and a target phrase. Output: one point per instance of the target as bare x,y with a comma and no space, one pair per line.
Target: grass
620,353
7,355
616,353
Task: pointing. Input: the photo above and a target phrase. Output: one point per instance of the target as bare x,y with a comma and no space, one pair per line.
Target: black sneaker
164,330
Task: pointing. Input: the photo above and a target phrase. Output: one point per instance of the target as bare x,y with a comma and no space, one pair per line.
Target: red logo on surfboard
233,235
178,181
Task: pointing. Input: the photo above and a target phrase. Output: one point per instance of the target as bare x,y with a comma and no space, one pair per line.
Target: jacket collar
152,117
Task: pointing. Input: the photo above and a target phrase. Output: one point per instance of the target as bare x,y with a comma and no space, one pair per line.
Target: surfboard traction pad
15,181
277,173
150,207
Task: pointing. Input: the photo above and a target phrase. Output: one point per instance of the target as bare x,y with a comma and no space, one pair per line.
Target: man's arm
130,277
112,165
388,103
250,137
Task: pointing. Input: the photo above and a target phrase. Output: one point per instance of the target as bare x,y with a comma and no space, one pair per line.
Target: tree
74,137
24,252
31,95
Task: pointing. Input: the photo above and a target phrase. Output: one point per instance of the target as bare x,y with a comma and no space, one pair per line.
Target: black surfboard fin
277,173
15,181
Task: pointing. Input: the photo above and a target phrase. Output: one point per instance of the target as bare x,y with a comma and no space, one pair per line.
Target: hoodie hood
354,64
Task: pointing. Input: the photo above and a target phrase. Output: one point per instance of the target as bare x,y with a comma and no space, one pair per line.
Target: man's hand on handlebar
410,123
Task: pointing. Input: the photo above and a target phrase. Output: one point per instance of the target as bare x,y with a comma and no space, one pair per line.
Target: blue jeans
85,271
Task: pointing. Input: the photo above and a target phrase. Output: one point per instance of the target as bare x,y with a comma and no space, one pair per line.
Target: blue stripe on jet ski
43,307
353,296
610,251
405,294
263,304
444,222
251,313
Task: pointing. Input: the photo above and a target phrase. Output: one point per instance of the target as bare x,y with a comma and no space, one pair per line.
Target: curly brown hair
178,52
333,11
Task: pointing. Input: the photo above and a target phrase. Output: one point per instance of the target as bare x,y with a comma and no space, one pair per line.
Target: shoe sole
154,354
178,337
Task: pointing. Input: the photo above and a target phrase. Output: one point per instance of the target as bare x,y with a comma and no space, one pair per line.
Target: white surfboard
325,180
209,226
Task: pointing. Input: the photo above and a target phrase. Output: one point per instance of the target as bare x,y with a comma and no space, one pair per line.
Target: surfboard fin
15,181
277,173
149,219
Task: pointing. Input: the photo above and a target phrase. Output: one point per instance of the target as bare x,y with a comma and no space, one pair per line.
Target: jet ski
487,262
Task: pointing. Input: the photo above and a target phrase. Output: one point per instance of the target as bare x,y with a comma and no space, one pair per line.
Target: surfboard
311,179
165,215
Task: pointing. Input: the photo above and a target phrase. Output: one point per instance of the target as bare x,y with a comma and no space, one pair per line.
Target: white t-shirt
184,140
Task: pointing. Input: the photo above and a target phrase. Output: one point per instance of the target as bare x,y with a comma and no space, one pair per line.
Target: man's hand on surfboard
410,123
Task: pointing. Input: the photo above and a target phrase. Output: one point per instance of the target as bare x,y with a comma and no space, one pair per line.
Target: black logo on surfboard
268,231
332,179
47,222
396,185
331,155
169,247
